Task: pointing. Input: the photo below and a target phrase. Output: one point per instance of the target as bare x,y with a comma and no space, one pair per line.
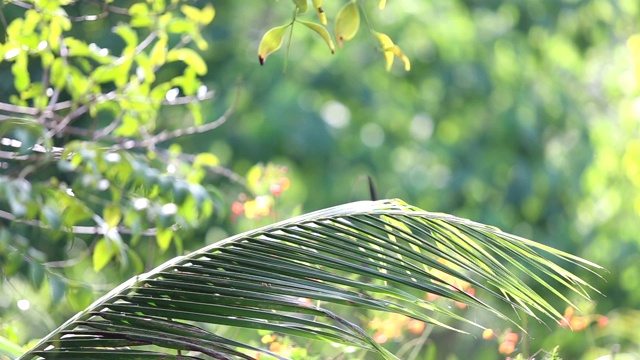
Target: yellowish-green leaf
139,9
382,4
189,57
163,238
322,31
182,26
205,159
203,17
347,22
159,51
102,254
20,72
317,4
58,24
302,6
200,42
195,109
207,15
390,50
127,34
271,42
112,215
385,40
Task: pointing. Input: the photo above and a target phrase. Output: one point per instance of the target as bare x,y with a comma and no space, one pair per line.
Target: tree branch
79,230
170,135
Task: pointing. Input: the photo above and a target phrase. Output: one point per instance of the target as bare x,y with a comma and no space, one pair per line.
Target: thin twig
170,135
36,148
91,17
77,112
80,230
109,128
189,99
18,109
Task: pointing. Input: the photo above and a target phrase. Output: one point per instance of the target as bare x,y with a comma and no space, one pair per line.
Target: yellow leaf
382,4
388,60
205,159
271,42
201,16
390,50
347,22
207,15
322,31
317,4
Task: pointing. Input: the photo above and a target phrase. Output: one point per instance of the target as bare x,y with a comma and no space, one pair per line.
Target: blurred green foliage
524,115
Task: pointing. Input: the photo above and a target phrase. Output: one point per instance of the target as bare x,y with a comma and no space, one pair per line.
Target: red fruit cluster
579,323
393,326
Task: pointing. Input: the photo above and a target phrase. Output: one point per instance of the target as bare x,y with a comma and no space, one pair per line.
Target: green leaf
181,26
57,288
379,256
20,71
9,349
158,54
102,254
347,22
163,238
112,215
139,9
271,42
79,297
189,57
51,217
36,275
59,72
127,34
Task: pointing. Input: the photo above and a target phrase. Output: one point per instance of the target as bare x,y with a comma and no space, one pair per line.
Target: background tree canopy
523,115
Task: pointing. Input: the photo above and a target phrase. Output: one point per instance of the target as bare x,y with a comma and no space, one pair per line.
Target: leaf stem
286,56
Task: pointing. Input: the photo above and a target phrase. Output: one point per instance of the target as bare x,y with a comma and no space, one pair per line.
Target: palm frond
383,255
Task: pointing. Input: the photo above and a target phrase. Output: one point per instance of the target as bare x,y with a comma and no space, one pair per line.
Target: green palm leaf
381,255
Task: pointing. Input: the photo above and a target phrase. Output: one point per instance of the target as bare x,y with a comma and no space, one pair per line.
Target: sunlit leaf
302,5
320,30
189,57
21,75
102,254
367,255
206,159
390,50
317,5
163,238
112,215
201,16
271,42
347,22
